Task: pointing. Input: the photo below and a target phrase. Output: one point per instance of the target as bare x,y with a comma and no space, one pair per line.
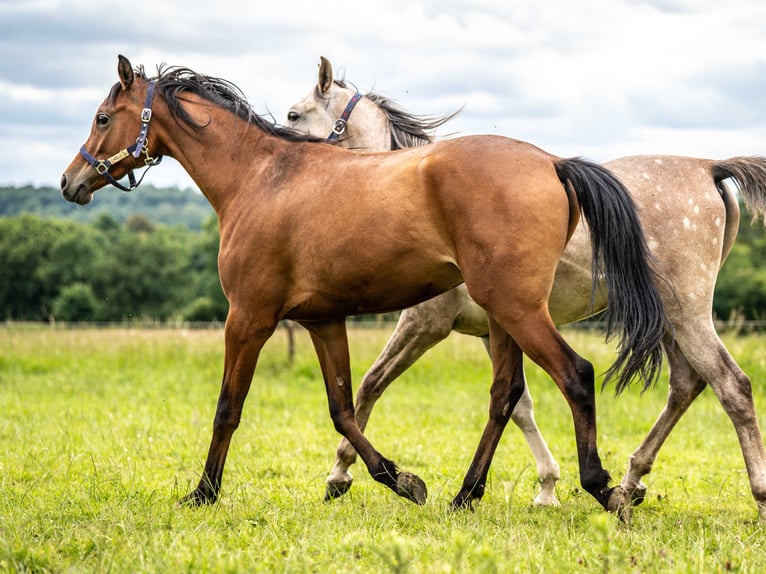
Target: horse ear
125,72
324,82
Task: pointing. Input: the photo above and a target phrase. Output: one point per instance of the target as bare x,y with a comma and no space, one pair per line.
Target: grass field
102,430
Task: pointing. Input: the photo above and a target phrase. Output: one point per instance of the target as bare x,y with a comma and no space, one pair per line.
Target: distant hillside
188,208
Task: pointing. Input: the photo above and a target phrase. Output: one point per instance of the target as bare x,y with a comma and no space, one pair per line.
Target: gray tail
750,175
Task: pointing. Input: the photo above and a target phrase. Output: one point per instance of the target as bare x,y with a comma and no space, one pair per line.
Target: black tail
622,258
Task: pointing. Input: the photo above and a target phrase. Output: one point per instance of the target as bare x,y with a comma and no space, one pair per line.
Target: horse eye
292,116
102,120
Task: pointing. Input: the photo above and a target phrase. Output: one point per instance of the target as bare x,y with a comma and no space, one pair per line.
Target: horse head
325,111
125,112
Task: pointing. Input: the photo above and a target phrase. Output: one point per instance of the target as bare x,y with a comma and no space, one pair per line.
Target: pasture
102,430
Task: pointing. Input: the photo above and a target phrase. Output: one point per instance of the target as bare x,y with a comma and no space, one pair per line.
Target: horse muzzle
74,191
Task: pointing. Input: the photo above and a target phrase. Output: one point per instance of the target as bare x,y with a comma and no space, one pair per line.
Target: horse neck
218,155
368,127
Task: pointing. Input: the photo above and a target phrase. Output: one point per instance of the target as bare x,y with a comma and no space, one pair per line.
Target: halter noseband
102,166
340,125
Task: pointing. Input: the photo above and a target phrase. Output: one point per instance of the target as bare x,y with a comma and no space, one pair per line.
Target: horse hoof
638,494
411,487
619,502
196,498
546,499
461,502
335,490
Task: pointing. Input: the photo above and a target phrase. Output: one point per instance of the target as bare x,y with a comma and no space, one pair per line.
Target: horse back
685,219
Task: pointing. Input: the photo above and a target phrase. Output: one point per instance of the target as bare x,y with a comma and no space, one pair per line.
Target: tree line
54,269
146,263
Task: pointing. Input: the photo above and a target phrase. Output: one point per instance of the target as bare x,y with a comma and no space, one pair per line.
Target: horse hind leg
535,334
331,345
419,328
734,391
685,386
690,371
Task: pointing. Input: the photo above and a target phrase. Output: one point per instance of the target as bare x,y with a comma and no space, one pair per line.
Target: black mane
173,82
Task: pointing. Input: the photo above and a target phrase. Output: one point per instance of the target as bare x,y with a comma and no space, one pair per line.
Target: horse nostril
63,182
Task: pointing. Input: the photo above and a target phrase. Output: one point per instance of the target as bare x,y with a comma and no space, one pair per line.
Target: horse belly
379,289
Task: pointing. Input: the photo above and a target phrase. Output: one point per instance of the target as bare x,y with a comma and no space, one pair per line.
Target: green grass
101,431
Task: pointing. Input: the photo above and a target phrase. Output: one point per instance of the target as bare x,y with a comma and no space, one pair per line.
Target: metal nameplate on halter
340,127
146,115
119,156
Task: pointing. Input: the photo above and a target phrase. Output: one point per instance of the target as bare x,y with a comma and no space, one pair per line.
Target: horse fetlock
463,501
638,494
465,498
345,455
547,494
411,487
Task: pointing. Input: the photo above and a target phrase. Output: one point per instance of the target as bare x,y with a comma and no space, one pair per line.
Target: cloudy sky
595,78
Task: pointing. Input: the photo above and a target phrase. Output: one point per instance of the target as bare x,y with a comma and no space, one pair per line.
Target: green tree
143,275
741,286
208,302
76,302
26,242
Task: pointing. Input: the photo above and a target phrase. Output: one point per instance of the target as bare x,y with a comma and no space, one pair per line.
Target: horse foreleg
331,345
419,328
243,345
548,472
507,387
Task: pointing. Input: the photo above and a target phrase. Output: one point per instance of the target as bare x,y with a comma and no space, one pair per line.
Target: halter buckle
339,127
146,115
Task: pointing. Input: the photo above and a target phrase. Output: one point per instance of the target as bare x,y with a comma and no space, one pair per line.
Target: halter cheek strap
102,166
340,126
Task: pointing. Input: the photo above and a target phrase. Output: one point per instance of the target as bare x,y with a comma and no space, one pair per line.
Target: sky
594,78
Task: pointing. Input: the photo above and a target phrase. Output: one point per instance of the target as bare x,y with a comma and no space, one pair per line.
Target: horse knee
227,417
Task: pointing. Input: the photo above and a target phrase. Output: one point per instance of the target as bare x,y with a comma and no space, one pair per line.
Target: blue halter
340,126
102,166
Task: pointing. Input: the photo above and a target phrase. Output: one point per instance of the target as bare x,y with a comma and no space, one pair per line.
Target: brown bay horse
314,233
690,217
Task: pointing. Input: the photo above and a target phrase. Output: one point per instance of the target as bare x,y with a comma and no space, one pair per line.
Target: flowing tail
750,175
622,258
